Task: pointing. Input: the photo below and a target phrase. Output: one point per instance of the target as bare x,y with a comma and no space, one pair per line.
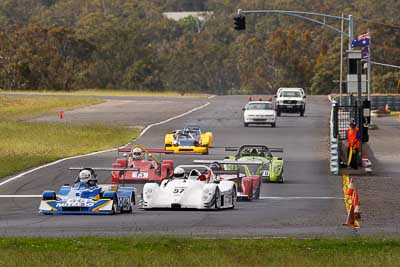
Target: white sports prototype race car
199,188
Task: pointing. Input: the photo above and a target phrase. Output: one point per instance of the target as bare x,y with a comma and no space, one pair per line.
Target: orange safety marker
387,108
61,115
356,203
350,189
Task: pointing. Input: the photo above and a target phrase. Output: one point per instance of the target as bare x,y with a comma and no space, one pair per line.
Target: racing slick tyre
302,113
50,196
115,206
234,197
273,125
217,199
245,124
278,113
257,193
131,205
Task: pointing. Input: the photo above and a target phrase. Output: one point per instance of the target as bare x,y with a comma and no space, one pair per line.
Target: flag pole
369,68
341,62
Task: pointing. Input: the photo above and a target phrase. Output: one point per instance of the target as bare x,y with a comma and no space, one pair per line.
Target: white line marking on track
211,97
103,151
173,118
301,198
20,196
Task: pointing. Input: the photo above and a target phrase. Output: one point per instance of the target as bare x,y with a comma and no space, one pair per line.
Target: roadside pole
310,16
369,69
341,61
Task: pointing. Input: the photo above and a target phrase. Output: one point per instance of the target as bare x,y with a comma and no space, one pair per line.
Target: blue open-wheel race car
86,196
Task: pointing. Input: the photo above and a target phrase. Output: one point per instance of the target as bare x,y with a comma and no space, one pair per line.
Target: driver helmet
84,176
179,172
215,166
137,153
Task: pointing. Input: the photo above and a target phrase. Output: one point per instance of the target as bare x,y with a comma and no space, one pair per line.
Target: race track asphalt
310,203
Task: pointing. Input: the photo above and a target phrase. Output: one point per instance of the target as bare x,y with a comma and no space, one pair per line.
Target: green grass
152,251
102,92
27,144
12,108
394,113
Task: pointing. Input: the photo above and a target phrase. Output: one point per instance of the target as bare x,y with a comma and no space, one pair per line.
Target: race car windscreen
290,94
260,106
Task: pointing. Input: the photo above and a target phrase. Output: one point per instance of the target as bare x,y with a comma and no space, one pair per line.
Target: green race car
270,171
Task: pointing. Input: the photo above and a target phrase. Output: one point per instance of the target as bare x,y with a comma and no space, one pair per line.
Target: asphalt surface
317,209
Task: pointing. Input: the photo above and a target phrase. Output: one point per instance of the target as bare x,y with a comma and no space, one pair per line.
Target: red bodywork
148,169
248,187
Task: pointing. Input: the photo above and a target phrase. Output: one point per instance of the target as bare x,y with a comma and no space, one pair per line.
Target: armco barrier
379,101
333,142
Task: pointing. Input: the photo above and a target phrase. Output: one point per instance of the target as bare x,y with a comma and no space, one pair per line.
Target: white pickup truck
290,100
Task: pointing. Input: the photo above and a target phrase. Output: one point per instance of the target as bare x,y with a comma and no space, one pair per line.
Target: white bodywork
190,192
259,116
286,102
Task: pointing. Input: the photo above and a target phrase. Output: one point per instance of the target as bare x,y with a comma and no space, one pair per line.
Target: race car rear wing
102,169
149,150
228,161
272,149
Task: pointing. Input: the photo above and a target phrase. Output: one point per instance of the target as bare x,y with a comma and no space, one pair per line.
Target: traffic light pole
304,15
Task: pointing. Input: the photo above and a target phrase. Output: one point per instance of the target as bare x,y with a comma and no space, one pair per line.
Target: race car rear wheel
257,193
217,199
132,204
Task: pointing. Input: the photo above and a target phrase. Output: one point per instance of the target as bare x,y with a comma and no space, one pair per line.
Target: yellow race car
190,140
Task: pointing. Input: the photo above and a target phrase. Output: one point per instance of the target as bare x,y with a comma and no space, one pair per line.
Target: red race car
248,187
149,168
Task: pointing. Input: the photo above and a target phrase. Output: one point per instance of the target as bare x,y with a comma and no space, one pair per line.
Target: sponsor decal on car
78,202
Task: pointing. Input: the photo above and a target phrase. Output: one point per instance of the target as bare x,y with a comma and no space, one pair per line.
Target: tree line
131,45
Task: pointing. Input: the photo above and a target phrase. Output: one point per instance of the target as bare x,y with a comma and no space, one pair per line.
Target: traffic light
240,22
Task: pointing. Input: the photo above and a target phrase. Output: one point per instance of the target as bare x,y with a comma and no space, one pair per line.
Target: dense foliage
129,44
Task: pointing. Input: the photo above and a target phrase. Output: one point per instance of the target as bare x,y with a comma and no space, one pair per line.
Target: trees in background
129,44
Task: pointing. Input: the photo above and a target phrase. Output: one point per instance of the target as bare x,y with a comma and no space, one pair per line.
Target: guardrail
333,141
378,101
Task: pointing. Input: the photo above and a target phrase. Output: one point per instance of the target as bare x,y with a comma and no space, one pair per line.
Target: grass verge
27,144
17,108
102,92
146,251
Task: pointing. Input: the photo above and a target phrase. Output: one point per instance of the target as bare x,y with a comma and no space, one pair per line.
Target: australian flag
361,41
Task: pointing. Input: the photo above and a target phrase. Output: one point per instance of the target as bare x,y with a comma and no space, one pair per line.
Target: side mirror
243,109
305,96
275,96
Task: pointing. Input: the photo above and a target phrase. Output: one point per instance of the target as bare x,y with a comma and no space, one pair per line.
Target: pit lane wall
333,142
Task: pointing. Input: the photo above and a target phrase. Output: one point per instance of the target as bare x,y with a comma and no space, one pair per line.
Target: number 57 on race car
86,196
196,188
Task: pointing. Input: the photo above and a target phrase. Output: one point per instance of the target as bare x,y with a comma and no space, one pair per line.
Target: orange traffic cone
350,189
387,110
350,220
356,204
260,98
250,98
270,98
